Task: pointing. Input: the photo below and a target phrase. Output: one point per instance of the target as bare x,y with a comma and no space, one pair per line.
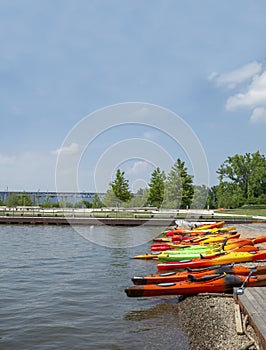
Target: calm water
61,291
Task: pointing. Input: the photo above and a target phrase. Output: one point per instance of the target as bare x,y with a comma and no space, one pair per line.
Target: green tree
12,200
179,187
64,204
212,197
120,187
156,188
96,202
18,199
140,198
80,204
87,204
110,199
200,197
229,195
243,175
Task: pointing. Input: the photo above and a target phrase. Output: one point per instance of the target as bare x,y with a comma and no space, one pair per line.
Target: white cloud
258,115
253,97
73,148
138,167
237,76
253,92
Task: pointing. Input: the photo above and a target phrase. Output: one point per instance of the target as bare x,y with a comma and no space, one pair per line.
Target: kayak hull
198,273
208,284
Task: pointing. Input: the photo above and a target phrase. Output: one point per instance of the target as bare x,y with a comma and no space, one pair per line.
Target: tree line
242,181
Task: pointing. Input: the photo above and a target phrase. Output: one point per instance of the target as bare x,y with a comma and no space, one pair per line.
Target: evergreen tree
156,188
179,187
120,187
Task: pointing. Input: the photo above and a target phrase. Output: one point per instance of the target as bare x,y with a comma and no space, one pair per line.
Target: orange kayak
218,283
198,273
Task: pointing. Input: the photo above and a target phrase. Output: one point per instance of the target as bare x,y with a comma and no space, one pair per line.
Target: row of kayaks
203,265
217,283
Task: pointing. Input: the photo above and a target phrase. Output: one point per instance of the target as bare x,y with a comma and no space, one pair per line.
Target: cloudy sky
97,83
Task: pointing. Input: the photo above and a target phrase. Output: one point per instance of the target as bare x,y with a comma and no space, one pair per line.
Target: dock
71,220
253,304
93,220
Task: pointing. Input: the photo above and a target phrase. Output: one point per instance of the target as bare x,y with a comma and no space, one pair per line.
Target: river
63,288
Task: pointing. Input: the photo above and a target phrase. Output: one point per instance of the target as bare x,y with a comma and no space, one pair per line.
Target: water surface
61,291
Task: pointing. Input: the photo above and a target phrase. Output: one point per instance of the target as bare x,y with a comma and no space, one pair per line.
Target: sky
87,87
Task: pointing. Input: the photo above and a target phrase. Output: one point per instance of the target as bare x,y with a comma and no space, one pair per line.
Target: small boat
198,273
217,283
217,259
193,254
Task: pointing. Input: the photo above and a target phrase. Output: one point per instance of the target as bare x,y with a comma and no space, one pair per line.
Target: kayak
212,238
217,283
197,232
195,249
196,239
193,254
218,224
198,273
217,259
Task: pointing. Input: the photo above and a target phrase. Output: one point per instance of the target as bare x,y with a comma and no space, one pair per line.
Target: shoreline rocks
210,323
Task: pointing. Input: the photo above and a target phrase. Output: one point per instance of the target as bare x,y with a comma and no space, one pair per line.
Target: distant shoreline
53,220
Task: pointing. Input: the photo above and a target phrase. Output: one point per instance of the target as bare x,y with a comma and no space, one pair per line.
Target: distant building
53,197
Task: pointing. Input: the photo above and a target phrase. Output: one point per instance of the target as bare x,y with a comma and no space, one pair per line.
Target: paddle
240,290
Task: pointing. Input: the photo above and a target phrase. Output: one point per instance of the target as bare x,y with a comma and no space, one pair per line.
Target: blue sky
63,61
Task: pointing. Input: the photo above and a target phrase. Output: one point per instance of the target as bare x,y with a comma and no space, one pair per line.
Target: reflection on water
161,310
159,322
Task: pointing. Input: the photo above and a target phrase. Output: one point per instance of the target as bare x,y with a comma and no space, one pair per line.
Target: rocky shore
210,321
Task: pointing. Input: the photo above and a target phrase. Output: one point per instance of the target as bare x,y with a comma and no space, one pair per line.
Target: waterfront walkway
253,304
